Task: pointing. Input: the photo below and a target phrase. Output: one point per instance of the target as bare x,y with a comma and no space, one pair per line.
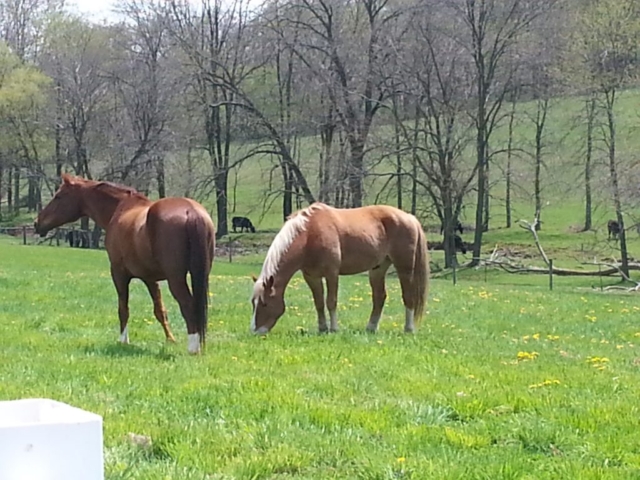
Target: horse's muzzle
38,229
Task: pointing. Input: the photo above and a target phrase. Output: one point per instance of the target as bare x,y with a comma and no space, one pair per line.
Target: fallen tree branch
531,227
511,267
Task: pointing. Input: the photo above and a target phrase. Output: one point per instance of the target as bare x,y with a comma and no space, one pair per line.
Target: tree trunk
287,202
449,231
356,174
187,192
485,217
58,136
10,190
326,136
32,197
541,116
508,172
414,186
396,131
16,189
591,109
1,181
477,239
398,169
221,182
160,179
613,174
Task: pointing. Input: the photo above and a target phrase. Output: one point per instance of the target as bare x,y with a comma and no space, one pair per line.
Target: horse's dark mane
120,188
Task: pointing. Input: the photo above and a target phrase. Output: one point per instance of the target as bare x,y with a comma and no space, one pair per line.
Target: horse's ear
68,179
253,277
268,284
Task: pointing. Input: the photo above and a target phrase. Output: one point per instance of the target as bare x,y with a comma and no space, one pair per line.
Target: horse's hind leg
378,293
317,290
121,281
158,308
182,294
332,301
406,282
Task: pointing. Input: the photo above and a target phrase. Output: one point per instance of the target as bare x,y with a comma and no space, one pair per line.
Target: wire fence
74,237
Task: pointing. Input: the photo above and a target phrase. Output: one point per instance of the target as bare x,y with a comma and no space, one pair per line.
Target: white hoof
193,345
124,336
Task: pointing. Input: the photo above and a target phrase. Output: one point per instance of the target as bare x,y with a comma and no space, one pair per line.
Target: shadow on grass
118,350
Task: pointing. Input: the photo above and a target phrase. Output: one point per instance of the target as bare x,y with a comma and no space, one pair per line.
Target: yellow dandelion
545,383
522,356
401,459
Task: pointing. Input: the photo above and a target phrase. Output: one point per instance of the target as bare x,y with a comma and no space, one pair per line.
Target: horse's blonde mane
295,224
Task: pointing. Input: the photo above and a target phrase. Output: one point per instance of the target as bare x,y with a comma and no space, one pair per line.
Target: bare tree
609,33
488,30
216,41
22,24
76,55
441,131
145,83
347,47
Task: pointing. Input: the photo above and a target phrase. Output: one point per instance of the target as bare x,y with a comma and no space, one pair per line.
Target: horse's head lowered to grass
268,305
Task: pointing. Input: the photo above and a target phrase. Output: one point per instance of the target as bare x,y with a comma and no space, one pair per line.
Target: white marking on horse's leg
193,345
372,326
124,336
409,327
252,327
333,319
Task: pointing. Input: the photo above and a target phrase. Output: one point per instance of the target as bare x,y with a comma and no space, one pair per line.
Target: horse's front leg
317,290
121,280
332,301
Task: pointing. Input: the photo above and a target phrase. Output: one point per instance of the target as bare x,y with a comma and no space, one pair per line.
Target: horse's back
168,222
152,240
360,238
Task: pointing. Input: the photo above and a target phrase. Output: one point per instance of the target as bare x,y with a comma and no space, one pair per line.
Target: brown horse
149,240
326,242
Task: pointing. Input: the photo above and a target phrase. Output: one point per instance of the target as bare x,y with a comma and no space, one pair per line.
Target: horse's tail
201,248
420,274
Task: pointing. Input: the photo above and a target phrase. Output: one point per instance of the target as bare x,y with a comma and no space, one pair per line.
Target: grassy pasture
504,379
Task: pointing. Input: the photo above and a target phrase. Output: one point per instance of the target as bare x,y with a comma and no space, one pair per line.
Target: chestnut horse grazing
149,240
326,242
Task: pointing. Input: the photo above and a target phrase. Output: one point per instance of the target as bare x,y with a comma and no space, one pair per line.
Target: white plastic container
42,439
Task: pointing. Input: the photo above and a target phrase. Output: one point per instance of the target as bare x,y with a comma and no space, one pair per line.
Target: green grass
459,399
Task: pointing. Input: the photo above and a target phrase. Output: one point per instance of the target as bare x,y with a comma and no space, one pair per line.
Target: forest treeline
420,85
